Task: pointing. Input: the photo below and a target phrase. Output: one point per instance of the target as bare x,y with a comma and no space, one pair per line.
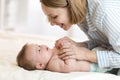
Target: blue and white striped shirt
103,27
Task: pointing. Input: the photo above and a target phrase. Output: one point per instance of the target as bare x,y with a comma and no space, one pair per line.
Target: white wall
31,20
0,12
37,22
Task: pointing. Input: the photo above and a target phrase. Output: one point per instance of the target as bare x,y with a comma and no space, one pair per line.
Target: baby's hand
59,43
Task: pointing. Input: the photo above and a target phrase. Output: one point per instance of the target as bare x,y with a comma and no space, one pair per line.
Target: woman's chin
67,28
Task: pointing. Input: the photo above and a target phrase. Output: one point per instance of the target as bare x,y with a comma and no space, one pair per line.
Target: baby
41,57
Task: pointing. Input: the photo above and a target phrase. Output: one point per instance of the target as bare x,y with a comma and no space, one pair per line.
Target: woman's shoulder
95,7
99,5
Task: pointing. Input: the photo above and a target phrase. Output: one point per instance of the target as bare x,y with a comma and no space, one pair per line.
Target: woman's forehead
50,10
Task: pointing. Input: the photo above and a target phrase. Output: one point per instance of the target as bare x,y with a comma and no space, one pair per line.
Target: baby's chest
55,64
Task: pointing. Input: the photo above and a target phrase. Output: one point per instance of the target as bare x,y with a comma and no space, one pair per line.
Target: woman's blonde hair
77,8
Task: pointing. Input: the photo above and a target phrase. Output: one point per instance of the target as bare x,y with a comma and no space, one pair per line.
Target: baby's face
38,53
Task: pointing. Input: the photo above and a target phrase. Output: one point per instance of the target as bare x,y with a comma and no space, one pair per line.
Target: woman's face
57,16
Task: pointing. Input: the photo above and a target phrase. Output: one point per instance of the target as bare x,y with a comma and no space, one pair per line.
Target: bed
10,45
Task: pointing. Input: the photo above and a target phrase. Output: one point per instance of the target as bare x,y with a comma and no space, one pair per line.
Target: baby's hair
22,61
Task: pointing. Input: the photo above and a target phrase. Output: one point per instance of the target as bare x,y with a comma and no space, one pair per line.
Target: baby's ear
39,66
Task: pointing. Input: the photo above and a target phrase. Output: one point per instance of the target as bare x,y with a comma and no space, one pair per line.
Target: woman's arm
111,27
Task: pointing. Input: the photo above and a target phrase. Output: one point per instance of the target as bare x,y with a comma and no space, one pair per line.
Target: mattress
10,45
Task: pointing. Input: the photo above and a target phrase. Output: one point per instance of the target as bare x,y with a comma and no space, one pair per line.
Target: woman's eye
54,17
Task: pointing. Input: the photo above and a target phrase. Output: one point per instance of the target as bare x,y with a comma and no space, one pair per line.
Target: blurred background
26,16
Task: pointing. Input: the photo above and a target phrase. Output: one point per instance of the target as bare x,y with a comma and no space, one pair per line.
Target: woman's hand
71,49
60,42
68,50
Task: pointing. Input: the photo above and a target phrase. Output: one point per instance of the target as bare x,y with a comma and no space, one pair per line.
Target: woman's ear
39,66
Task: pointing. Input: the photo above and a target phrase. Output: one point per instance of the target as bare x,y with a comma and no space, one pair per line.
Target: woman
99,19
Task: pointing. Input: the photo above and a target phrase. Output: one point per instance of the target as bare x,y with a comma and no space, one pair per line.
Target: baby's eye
39,49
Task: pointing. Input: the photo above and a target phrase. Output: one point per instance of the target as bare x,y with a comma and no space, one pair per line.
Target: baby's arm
74,65
69,65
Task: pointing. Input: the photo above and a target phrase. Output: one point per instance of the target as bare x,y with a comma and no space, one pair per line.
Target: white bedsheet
11,43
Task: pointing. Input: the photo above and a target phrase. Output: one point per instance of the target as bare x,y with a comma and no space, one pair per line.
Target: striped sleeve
111,29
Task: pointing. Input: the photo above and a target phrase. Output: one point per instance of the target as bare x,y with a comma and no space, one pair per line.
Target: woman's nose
52,23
